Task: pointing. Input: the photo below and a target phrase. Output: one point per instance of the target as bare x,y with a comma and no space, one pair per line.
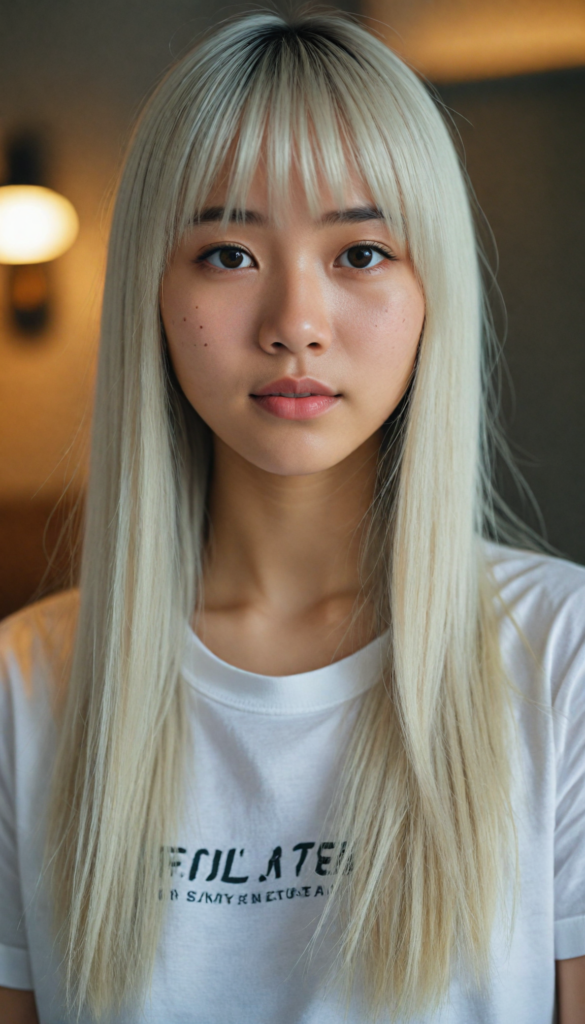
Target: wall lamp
36,225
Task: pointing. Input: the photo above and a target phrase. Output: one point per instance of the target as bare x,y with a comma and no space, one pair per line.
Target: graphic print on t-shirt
264,771
234,876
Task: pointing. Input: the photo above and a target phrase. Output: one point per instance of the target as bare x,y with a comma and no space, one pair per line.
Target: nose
296,316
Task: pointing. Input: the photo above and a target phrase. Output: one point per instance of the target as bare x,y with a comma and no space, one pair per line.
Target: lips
288,387
291,399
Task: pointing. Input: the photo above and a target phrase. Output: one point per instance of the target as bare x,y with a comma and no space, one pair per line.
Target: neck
287,545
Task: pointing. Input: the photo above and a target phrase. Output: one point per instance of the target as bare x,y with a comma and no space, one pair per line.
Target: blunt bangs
305,105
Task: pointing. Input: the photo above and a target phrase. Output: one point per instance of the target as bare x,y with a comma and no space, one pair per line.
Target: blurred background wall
512,74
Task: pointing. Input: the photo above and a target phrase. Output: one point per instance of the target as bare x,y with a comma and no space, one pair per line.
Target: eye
364,257
227,257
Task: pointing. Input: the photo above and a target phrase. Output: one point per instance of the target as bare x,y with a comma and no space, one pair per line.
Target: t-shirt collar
301,693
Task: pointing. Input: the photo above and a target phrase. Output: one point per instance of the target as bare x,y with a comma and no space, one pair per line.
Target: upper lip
289,385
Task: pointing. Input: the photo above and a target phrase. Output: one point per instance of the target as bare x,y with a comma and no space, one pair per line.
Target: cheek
381,342
204,337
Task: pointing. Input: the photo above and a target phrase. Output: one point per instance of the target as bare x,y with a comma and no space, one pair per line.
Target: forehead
324,205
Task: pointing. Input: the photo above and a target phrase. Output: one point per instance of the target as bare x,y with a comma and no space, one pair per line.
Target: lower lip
296,408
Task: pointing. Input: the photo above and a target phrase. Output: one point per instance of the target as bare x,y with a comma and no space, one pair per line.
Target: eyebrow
351,215
213,214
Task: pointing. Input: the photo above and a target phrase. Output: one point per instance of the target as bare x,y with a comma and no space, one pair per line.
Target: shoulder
541,603
518,573
36,642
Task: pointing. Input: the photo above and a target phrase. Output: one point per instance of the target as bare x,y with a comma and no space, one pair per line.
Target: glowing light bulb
36,224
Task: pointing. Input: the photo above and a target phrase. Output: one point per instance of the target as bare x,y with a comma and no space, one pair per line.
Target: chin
281,462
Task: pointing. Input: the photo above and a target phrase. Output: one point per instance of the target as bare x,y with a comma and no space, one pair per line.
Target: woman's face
326,309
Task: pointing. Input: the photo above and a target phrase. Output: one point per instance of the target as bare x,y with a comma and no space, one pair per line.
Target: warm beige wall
78,71
460,40
48,56
46,380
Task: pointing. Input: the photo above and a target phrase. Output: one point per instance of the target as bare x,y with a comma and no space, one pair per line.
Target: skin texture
288,497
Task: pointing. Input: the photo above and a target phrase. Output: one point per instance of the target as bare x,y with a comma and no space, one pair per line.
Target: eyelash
222,248
376,247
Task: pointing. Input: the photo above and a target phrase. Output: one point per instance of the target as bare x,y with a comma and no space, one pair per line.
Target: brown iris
360,256
231,259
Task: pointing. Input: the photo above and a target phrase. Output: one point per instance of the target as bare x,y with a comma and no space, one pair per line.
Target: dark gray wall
525,144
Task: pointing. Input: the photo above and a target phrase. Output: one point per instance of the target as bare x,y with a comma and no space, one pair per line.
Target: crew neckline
301,693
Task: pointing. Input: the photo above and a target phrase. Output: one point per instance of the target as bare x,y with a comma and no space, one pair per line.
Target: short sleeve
569,725
15,971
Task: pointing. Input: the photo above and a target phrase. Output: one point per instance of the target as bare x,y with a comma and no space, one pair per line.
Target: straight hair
425,803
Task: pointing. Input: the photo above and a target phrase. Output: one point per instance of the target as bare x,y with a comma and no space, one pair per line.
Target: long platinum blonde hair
425,808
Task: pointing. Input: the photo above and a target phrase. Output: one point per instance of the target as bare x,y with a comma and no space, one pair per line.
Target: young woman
305,747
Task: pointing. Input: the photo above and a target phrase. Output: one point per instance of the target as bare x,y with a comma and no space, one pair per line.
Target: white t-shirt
252,867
